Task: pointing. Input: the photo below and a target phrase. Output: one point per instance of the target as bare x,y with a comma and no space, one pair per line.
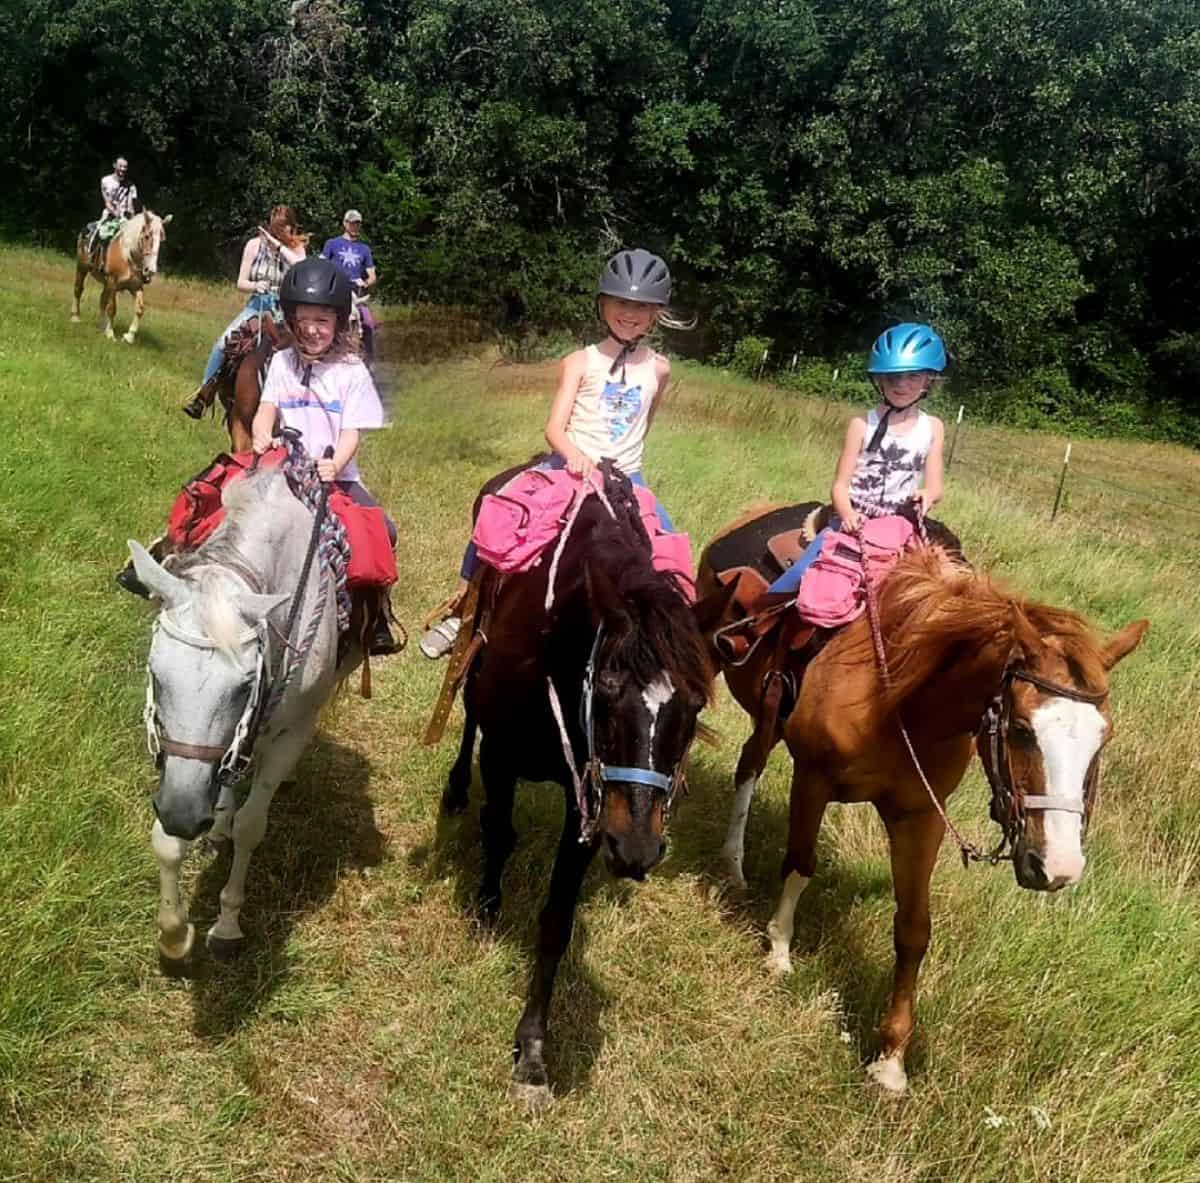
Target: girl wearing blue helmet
892,456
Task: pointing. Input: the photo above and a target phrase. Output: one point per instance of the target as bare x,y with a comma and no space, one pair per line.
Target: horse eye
1022,734
609,685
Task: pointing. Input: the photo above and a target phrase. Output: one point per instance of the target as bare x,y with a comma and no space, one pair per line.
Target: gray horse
225,680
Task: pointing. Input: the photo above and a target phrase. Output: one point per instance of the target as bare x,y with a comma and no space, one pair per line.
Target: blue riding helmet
906,348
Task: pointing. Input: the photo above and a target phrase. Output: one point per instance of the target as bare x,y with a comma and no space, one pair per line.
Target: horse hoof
74,320
779,965
533,1098
224,949
733,872
888,1074
128,339
175,958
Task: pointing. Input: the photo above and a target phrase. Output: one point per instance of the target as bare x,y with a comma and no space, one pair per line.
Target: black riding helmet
316,281
636,275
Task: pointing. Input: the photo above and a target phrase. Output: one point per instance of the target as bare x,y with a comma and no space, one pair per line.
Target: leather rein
1009,805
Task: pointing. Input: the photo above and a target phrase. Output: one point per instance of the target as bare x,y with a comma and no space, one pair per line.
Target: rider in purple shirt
354,257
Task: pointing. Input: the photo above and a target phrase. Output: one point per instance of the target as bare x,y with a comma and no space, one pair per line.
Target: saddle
251,338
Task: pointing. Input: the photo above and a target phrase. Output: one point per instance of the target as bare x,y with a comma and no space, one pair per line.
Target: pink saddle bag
516,524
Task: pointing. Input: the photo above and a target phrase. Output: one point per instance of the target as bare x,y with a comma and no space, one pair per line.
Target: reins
590,783
1009,805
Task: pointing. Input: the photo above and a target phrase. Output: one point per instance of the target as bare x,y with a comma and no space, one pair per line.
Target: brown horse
598,687
238,383
961,651
130,263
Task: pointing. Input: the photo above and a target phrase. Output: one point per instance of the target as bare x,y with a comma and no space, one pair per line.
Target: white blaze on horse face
656,696
1069,735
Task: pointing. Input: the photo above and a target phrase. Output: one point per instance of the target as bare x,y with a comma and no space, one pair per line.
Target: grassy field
365,1034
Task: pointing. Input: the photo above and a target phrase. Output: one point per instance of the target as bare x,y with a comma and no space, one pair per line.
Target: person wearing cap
351,254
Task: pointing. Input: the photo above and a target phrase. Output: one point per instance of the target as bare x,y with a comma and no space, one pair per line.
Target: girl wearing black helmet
322,388
606,398
892,456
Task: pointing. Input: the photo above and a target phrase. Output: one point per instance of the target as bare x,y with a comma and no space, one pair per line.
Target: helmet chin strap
881,430
627,350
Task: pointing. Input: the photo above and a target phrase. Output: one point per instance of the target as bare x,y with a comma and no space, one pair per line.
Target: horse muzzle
185,803
1039,870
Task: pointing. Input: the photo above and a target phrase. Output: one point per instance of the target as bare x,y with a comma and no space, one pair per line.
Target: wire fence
1078,484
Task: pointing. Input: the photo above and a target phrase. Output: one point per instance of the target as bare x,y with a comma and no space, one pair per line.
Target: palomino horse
130,263
964,657
244,656
593,674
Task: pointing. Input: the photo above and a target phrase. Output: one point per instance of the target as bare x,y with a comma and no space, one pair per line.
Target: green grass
365,1034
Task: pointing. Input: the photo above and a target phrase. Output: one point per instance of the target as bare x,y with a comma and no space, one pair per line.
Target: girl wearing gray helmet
606,398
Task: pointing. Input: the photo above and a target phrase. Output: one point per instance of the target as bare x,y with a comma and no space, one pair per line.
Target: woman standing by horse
266,259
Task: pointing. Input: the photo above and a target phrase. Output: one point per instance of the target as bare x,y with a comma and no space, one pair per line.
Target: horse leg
530,1083
914,839
495,823
458,783
139,310
750,767
276,759
108,308
810,796
246,396
175,933
80,278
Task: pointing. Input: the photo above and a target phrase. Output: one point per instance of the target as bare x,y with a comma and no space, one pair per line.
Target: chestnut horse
238,383
962,653
596,685
130,263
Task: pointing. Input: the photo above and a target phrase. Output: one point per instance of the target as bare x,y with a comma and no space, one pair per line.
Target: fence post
794,357
1062,480
954,437
762,364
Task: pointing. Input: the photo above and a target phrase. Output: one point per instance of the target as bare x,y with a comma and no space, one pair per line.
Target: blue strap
636,776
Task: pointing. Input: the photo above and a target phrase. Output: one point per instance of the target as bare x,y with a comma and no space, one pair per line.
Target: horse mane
213,605
665,636
930,605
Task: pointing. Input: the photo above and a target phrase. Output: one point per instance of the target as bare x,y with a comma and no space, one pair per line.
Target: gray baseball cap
352,215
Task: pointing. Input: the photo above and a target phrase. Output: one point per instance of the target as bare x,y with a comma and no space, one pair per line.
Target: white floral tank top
885,479
610,417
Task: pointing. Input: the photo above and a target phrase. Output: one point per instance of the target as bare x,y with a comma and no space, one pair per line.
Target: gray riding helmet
636,275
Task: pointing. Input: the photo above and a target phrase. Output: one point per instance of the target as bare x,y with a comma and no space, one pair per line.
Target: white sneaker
439,640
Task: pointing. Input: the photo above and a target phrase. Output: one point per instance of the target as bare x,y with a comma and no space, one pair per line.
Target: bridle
144,243
1010,805
233,761
591,783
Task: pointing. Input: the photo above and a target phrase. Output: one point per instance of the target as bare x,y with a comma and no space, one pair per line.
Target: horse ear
169,588
167,219
1122,644
607,606
255,608
711,611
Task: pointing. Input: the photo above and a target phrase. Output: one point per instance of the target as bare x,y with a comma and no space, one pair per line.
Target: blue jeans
789,581
471,560
258,303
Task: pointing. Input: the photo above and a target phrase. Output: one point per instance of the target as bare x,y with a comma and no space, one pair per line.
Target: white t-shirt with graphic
320,400
610,417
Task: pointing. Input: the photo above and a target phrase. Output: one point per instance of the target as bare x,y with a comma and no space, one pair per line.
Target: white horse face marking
1069,734
656,696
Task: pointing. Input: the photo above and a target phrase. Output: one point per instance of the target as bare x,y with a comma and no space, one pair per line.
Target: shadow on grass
826,945
320,828
574,1030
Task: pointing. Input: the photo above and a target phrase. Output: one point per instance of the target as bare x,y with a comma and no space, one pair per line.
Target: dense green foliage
1021,174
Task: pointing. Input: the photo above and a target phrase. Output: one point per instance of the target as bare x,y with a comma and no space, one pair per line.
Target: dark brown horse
621,659
237,385
961,652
